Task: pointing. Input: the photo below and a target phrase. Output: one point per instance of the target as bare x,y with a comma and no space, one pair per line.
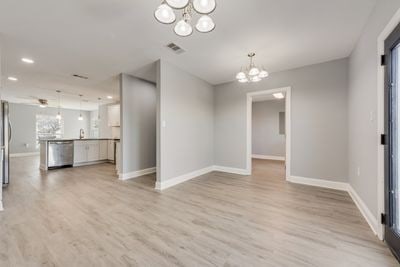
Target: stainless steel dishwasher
60,154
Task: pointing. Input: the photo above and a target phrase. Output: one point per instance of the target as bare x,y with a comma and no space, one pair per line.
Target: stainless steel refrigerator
5,142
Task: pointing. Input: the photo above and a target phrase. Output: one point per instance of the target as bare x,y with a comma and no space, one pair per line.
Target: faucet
81,134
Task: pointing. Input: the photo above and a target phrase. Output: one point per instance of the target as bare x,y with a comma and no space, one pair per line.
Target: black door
392,148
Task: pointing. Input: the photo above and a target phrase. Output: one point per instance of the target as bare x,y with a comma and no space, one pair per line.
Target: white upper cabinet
114,116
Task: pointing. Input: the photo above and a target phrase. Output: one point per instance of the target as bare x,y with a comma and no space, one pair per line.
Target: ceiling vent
80,76
175,48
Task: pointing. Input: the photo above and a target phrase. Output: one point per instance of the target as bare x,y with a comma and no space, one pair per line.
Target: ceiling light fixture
42,103
59,105
12,79
279,95
165,14
252,73
109,97
27,60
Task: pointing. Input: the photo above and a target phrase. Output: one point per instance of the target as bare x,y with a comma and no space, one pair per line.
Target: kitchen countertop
77,139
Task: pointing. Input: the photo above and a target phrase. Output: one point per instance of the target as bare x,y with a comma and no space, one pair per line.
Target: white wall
23,121
362,104
266,140
186,106
138,124
319,120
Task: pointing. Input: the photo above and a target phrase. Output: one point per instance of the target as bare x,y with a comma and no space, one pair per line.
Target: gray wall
186,107
138,124
362,95
266,139
23,119
319,120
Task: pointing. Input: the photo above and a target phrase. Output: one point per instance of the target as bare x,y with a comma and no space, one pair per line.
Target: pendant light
59,105
98,109
205,24
165,14
177,4
80,108
252,73
204,6
183,28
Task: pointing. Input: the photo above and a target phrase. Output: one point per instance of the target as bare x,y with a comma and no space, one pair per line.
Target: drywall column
138,126
186,123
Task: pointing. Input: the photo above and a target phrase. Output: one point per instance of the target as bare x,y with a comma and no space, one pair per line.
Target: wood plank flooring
86,217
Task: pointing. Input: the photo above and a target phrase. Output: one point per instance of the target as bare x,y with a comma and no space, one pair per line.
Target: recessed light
27,60
279,96
12,79
109,97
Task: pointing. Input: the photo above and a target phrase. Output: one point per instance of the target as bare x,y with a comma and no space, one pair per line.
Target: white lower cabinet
80,152
103,149
90,151
111,150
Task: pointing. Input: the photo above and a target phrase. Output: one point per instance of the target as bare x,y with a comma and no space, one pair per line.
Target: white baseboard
19,155
231,170
183,178
135,174
268,157
319,183
368,215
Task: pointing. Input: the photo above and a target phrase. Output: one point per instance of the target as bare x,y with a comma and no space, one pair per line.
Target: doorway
392,136
282,128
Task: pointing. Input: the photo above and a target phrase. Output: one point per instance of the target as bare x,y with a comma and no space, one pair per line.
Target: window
49,127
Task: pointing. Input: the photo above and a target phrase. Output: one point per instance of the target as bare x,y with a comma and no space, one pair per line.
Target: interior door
392,148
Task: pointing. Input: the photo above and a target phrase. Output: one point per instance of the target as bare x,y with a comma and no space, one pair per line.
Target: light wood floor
85,217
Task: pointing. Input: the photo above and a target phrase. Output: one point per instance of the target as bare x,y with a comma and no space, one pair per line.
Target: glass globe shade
183,28
80,118
205,24
241,75
204,6
263,74
58,116
254,71
165,14
177,4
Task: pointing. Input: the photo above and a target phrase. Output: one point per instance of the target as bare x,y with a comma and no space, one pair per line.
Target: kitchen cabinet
103,149
114,116
90,151
93,151
80,152
111,150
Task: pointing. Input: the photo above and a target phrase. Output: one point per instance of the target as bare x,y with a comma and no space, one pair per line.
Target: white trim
255,156
319,183
183,178
342,186
1,206
231,170
288,101
136,174
19,155
380,119
368,215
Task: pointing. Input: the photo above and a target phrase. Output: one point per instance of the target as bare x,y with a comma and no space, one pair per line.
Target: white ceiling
102,38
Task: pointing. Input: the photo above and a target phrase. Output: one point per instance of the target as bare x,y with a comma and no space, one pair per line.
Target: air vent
175,48
80,76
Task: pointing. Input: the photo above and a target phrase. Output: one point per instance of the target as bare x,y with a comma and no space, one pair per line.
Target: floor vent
175,48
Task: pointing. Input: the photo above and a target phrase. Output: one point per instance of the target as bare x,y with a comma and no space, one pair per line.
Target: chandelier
166,15
252,73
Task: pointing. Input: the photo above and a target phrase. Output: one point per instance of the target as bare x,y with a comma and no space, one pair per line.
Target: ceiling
102,38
